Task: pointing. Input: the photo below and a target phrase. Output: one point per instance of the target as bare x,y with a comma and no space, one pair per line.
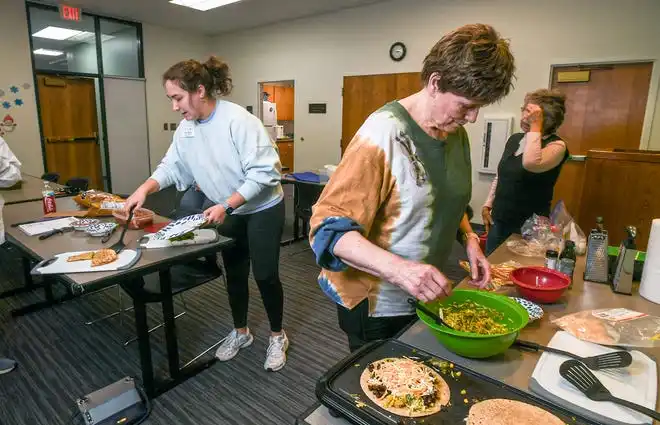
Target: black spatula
119,246
429,313
581,377
613,360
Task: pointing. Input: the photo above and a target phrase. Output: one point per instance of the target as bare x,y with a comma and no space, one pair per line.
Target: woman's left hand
479,265
534,118
216,214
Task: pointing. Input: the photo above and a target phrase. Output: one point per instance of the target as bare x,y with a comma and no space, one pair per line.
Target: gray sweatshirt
230,151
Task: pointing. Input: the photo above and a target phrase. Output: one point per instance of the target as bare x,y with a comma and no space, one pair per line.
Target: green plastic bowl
478,346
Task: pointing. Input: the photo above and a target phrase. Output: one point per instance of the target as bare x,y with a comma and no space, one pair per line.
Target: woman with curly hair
529,168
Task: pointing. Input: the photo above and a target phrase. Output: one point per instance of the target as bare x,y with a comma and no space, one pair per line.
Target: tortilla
81,257
406,372
103,256
500,411
585,326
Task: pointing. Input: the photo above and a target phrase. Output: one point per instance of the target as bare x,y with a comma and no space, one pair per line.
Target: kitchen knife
55,232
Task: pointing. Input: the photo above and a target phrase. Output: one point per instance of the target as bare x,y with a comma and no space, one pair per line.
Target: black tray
339,390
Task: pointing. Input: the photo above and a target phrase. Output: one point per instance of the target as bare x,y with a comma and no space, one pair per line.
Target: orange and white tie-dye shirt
405,191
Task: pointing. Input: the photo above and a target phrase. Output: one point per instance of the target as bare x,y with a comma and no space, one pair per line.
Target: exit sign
70,13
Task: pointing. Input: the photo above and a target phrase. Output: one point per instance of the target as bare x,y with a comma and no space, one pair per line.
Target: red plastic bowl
551,284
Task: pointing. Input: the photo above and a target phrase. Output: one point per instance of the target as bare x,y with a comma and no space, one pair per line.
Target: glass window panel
62,45
120,49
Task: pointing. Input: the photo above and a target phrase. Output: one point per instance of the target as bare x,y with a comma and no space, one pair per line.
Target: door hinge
342,92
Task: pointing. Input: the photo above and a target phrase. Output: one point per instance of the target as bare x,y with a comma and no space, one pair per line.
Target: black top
521,193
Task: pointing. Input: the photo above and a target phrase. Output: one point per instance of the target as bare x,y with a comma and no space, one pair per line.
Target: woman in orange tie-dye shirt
384,225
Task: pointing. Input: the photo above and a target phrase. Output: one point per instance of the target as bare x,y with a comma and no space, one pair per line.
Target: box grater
597,259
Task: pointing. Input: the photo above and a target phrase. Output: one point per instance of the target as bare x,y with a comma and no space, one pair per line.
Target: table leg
169,323
28,283
142,330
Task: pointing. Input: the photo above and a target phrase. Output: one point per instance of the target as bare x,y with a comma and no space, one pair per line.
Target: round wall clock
397,51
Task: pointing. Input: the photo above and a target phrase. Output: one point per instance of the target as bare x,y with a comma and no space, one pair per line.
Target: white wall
317,52
162,49
16,69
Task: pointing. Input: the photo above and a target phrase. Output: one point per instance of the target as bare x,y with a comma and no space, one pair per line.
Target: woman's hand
422,281
533,116
487,217
479,265
136,200
216,214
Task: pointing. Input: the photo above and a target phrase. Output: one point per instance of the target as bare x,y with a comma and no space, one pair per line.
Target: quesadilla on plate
103,256
405,387
509,412
81,257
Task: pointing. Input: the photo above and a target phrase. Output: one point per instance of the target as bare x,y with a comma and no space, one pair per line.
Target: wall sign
70,13
317,108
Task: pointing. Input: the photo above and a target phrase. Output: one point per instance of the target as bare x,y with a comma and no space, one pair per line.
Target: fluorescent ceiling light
47,52
88,37
56,33
203,4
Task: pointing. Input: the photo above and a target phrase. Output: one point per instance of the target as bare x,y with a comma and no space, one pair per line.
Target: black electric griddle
340,391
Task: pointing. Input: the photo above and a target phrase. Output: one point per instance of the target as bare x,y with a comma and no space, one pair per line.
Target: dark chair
165,203
180,278
305,196
79,184
51,177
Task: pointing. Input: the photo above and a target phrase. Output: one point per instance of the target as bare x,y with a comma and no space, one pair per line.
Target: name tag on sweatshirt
188,131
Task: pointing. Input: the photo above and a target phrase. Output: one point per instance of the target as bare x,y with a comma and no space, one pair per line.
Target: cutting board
202,236
59,265
636,383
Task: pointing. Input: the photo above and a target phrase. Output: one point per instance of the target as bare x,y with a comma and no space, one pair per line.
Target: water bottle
48,200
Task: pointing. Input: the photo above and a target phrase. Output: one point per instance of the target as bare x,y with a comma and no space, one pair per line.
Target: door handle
577,158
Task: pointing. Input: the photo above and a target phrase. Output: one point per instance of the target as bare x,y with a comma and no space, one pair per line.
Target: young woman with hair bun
227,153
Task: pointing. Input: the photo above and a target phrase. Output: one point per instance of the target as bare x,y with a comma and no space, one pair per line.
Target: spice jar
551,259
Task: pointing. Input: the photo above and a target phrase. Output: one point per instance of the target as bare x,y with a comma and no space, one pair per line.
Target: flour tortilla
440,385
585,326
509,412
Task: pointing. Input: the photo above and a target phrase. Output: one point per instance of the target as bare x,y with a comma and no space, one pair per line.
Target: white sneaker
276,354
232,344
7,365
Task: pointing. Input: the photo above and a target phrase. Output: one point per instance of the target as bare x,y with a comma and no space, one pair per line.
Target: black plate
339,389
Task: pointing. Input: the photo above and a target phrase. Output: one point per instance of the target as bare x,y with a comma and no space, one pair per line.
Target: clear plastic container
142,218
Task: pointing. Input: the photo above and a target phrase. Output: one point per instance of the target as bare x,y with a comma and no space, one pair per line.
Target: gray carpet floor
62,359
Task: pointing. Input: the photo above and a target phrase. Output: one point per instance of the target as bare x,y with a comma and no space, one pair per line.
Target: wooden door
271,92
605,112
70,128
364,94
284,102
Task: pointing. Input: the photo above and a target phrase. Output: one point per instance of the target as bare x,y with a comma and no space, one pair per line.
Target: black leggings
257,238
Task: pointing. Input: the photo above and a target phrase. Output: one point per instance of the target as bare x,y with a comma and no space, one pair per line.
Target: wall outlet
165,126
172,126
